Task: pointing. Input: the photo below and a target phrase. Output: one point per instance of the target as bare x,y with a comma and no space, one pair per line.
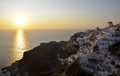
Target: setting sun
20,20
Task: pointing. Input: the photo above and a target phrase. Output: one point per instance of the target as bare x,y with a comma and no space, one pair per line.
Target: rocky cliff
42,60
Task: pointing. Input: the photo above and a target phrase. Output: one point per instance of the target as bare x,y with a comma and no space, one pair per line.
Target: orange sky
59,14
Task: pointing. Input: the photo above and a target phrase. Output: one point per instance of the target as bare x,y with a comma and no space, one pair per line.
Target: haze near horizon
57,14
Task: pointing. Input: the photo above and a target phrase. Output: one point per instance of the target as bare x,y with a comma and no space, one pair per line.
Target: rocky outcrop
42,60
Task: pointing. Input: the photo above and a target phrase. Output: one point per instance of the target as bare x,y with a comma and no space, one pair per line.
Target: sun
20,20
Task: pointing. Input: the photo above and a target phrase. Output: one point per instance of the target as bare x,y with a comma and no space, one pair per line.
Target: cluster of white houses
93,51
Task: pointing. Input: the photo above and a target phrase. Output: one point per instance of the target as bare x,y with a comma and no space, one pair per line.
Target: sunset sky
59,14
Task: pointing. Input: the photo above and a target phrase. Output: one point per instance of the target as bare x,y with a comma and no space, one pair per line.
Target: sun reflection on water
20,45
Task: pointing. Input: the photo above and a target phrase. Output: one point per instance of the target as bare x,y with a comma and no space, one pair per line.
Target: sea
13,43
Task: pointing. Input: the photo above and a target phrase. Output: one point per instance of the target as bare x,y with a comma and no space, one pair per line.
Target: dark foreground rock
42,60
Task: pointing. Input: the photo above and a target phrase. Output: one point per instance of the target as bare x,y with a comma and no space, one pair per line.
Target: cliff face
42,60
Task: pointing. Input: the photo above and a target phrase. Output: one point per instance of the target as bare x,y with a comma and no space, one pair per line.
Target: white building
110,24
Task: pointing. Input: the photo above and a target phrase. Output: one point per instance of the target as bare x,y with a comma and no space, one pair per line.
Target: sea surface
13,43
